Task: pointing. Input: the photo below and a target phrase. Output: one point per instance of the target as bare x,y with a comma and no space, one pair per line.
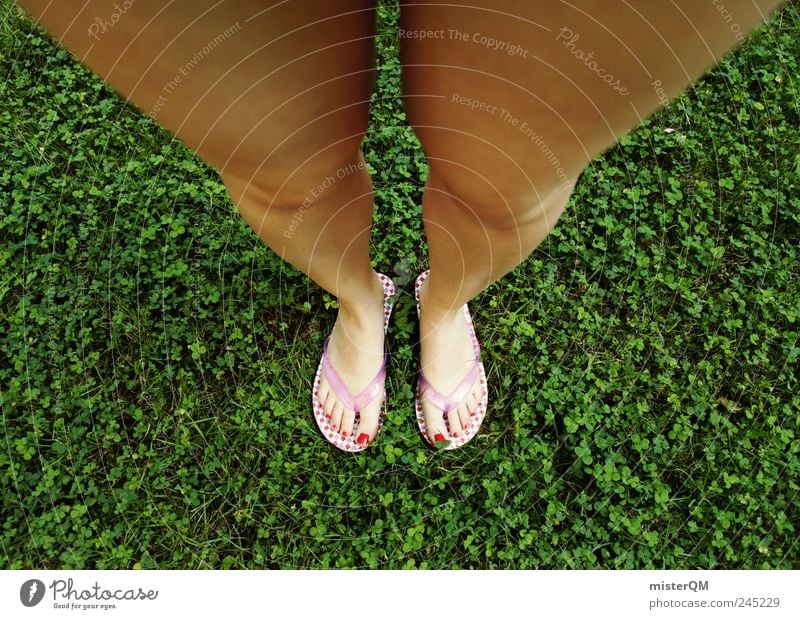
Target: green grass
156,359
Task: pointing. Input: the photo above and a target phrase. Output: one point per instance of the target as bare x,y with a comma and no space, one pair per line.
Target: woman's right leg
275,97
511,101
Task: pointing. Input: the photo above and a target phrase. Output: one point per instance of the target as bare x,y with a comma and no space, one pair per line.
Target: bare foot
446,357
356,352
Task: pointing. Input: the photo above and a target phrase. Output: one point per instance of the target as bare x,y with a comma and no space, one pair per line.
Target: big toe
368,424
435,425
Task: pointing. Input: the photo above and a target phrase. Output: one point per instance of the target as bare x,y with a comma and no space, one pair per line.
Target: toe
346,426
472,404
437,431
454,419
328,400
336,416
368,424
477,393
465,412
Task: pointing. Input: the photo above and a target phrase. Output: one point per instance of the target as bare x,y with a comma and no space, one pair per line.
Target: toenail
363,438
438,438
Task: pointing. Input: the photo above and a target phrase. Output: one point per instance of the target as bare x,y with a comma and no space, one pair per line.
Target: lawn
156,358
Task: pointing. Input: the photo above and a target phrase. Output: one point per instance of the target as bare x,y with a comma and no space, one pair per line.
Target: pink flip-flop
456,397
355,402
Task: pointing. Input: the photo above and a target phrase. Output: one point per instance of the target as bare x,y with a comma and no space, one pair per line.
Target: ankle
434,316
361,303
436,312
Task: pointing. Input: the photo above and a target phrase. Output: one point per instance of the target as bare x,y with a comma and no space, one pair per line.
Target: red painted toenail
363,438
438,438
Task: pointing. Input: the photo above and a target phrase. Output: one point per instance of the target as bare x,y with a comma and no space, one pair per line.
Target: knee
291,182
499,202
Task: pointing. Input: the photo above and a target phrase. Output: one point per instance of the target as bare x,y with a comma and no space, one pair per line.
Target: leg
511,102
274,96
